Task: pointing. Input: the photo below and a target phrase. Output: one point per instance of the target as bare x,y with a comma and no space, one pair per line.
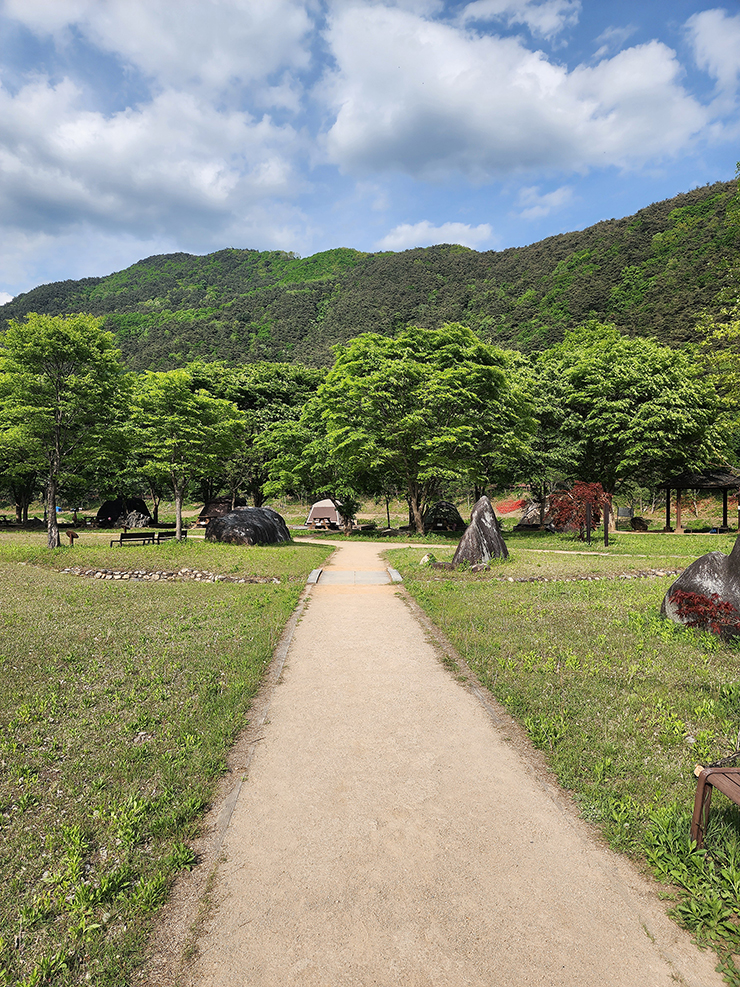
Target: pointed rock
482,541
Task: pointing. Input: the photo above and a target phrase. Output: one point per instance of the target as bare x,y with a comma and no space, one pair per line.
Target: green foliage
181,433
412,412
624,409
61,386
651,274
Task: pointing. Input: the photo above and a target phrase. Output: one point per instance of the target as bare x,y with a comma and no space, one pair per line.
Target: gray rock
482,541
249,526
716,578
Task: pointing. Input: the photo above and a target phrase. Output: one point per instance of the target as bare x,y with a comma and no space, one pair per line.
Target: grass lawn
623,703
119,703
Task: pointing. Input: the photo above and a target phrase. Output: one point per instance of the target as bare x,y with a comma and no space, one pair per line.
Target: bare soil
395,827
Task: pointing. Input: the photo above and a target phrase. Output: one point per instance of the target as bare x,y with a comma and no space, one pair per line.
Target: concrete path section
388,833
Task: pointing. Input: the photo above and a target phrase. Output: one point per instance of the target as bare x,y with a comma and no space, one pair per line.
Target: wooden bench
130,537
723,776
169,535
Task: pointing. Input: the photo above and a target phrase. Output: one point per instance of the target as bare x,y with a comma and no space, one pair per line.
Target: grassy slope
651,273
118,705
623,703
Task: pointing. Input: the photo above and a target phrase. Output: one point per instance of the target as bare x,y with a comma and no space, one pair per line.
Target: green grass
622,703
120,701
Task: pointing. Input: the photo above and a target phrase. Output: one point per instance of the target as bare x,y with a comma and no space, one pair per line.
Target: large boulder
707,594
249,526
482,541
443,516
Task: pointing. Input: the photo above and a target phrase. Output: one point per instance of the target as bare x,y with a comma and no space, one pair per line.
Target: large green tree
183,434
628,409
269,394
428,407
62,383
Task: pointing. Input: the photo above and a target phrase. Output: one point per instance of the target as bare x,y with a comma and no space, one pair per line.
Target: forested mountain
650,273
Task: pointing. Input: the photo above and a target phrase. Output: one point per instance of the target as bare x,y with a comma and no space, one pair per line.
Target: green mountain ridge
651,274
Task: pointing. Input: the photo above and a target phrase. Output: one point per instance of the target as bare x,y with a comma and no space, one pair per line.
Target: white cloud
537,205
207,42
426,234
545,18
613,38
5,298
716,40
432,100
173,165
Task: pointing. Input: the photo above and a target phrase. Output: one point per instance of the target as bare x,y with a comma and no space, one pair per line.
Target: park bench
131,537
725,777
169,535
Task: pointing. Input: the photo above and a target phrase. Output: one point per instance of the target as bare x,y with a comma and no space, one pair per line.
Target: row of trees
410,414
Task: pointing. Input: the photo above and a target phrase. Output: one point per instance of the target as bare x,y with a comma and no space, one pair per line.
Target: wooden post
678,511
606,524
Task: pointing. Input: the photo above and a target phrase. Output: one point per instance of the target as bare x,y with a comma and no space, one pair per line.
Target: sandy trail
389,834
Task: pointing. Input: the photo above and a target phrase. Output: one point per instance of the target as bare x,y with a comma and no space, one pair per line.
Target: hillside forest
651,275
401,409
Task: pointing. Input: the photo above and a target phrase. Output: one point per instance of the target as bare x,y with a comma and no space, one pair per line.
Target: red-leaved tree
568,507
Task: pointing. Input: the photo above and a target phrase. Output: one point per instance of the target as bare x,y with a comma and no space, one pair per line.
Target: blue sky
134,127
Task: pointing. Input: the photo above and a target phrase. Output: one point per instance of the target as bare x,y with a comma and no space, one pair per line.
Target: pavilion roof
719,479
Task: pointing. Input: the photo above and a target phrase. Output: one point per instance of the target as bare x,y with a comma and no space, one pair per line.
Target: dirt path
389,833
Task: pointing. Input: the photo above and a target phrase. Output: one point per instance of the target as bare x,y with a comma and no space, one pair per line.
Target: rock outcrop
249,526
482,541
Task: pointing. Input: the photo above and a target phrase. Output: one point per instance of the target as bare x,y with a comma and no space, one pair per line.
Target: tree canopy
629,408
61,384
418,410
181,433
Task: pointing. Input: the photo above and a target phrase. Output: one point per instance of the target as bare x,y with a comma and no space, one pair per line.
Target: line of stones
197,575
642,574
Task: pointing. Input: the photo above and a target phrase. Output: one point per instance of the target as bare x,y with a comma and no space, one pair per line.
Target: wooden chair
724,775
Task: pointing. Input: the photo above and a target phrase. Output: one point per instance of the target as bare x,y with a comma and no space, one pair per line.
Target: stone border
155,575
640,574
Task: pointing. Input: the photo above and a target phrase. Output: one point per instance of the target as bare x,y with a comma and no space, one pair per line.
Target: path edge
173,941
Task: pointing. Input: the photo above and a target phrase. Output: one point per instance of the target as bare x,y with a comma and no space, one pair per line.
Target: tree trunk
52,528
179,496
415,515
155,502
479,492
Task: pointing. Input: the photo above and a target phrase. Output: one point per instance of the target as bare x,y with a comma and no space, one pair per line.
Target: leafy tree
61,382
268,393
21,465
632,410
569,508
183,434
421,409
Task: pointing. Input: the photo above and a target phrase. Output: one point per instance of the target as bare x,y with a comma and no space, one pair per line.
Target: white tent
323,512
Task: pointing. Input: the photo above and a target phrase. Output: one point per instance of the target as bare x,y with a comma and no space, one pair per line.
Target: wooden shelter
721,479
